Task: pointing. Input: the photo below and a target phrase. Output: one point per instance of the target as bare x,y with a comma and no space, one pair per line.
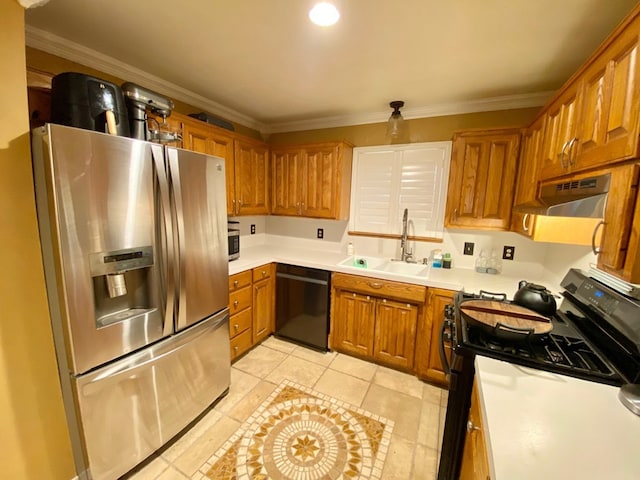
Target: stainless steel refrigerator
134,241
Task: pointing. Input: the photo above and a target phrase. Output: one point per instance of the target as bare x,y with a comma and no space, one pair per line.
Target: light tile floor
416,407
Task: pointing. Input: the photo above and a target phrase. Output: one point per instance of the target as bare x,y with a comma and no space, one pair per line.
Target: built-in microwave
234,240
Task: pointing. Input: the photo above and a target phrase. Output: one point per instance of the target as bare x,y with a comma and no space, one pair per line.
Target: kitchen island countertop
544,425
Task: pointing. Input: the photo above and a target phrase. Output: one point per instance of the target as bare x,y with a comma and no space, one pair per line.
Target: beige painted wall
433,129
35,442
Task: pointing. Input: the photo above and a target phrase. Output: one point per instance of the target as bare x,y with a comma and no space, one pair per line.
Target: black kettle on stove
535,297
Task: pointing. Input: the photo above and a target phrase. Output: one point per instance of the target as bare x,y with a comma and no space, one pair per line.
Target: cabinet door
208,139
395,333
475,464
352,323
481,180
619,246
432,369
251,177
560,134
262,309
321,182
609,123
286,187
527,179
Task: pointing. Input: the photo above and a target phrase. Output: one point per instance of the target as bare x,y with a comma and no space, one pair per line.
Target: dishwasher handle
301,279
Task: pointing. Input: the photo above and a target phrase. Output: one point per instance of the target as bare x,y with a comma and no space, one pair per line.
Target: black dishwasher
302,305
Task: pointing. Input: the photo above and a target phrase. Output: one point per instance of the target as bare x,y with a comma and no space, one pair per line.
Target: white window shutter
388,179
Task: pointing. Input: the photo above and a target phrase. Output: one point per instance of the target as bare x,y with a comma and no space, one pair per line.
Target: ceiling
263,64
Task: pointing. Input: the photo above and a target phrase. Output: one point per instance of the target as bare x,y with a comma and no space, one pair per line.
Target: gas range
595,336
585,341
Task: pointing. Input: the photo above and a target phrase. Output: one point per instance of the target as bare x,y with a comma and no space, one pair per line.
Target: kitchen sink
404,268
385,265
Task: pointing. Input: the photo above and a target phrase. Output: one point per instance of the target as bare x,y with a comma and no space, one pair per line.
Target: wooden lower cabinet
371,319
428,363
395,334
240,313
251,308
353,323
263,302
475,464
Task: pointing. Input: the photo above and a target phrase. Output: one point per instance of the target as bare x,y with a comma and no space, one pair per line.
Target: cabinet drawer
240,322
240,300
380,288
239,280
262,272
240,343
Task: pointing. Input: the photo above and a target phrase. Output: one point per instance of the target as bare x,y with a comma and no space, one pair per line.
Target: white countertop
451,279
541,425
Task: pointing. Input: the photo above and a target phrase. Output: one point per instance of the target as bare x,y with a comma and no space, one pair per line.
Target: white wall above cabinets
387,179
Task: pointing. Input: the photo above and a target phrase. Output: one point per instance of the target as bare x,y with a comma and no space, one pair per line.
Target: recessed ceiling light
324,14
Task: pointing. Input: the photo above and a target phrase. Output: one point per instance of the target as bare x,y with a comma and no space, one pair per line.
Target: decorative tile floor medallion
299,434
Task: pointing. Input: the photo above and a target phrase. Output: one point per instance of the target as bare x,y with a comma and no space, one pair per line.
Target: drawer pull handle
235,303
375,284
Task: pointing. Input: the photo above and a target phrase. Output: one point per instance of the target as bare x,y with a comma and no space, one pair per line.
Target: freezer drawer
132,407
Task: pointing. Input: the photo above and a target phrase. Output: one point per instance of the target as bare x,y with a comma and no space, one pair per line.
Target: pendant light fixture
396,126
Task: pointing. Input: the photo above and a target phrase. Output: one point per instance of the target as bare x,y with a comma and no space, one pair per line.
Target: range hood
573,198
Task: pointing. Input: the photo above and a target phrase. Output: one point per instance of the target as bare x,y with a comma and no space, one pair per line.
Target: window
387,179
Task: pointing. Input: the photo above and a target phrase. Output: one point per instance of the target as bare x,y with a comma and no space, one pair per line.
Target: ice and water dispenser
122,284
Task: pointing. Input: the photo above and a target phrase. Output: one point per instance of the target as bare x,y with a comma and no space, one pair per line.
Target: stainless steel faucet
405,253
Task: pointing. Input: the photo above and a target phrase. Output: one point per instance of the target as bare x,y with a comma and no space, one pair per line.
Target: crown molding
507,102
55,45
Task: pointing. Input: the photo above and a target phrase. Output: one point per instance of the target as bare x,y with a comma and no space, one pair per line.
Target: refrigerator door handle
167,251
162,350
174,171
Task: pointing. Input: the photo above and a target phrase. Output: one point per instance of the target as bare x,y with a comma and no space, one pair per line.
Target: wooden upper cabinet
251,168
620,243
609,123
527,180
561,121
482,179
287,175
312,180
594,121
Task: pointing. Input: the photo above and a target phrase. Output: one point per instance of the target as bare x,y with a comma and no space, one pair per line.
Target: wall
35,441
432,129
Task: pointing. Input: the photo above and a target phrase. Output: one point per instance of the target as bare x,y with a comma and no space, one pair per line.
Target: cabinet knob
384,300
235,349
264,273
236,326
235,283
368,297
235,303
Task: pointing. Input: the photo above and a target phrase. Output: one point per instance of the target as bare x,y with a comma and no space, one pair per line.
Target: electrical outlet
468,248
321,233
508,252
253,229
